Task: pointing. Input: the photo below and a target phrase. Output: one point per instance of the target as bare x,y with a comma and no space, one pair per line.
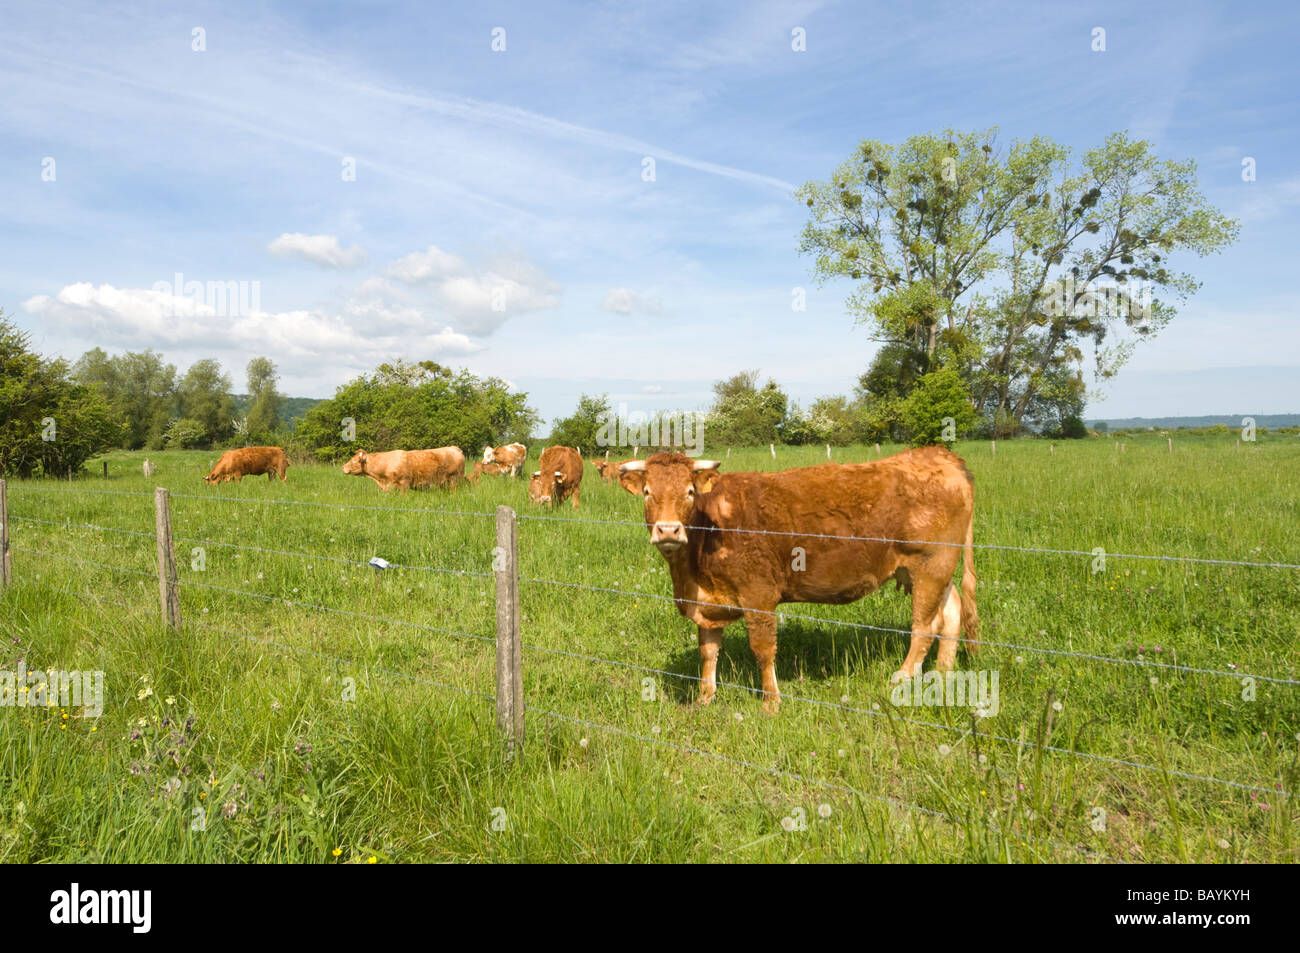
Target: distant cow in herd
608,469
511,456
482,469
408,469
249,461
559,476
911,514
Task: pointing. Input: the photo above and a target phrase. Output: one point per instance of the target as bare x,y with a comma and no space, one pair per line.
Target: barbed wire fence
509,699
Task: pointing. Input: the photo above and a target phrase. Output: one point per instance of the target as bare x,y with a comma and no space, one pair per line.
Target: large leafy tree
138,386
265,401
580,429
1004,264
203,397
744,414
49,423
412,406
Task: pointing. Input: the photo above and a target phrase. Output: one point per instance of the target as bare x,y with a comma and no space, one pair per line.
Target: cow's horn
631,465
559,475
537,473
707,464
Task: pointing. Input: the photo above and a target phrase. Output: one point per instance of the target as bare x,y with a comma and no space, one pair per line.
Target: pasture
1124,730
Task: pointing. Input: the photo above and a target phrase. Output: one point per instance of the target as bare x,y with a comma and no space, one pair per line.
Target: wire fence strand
933,635
931,542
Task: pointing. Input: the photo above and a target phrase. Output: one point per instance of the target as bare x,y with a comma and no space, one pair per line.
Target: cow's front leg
762,642
576,493
710,643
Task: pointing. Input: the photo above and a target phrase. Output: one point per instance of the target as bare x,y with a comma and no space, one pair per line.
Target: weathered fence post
828,451
772,447
6,569
510,671
105,469
994,444
169,595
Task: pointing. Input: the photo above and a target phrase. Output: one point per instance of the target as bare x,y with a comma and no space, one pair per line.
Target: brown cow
249,461
559,476
923,496
405,469
608,470
490,469
512,456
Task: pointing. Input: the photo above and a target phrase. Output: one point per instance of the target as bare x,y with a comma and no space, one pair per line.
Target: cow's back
800,519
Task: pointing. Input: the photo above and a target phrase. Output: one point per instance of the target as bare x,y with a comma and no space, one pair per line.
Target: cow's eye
690,491
646,491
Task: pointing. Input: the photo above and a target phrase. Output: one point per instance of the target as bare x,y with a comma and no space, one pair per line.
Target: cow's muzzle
668,536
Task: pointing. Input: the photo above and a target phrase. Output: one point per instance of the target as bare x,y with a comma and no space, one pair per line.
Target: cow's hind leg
928,596
710,643
762,642
947,624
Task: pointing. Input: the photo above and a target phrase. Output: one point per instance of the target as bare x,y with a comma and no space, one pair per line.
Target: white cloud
324,250
627,301
424,266
136,317
475,300
651,389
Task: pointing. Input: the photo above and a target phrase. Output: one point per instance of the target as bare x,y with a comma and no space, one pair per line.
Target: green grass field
215,746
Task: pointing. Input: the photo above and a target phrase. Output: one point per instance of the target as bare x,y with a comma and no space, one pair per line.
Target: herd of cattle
740,544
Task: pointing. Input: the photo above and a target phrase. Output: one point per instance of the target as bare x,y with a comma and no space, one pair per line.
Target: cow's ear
632,480
705,479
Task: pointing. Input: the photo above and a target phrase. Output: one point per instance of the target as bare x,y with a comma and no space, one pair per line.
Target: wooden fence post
994,445
105,469
6,568
510,670
169,595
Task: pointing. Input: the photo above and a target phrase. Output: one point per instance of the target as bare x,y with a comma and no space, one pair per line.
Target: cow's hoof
704,699
772,706
899,676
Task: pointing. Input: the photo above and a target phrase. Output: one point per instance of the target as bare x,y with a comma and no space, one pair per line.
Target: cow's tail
970,620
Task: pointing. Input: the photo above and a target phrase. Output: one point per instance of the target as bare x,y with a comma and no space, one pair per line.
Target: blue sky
489,179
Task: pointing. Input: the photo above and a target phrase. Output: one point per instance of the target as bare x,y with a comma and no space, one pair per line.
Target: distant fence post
510,671
168,582
6,569
105,469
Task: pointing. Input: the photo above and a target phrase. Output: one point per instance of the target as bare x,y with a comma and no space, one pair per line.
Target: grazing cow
147,467
511,456
560,475
249,461
913,514
608,470
490,469
405,469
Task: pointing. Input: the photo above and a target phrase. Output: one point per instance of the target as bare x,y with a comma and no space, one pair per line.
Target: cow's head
545,488
489,455
600,466
670,484
357,464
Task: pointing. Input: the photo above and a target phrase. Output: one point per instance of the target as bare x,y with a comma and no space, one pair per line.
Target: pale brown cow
924,497
559,477
489,469
405,469
512,456
249,461
608,470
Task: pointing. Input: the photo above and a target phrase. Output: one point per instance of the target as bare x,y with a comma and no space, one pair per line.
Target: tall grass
267,731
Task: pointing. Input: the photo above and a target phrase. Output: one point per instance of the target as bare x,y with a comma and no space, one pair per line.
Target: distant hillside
1173,423
294,407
